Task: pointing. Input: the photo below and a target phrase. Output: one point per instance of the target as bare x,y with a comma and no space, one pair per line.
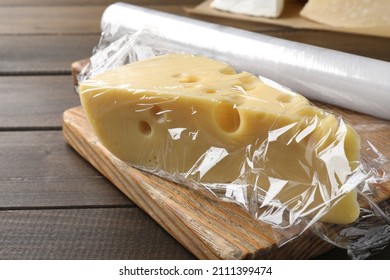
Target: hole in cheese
227,71
284,98
186,78
210,90
248,86
227,117
189,79
144,128
246,82
247,79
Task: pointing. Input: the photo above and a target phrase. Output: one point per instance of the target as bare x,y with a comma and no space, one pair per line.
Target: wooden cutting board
209,228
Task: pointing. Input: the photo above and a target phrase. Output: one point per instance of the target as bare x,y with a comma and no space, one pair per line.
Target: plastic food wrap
293,166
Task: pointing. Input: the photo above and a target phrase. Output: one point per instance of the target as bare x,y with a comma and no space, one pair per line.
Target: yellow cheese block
349,13
196,116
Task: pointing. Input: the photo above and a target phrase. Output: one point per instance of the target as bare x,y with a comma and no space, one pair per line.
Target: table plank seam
30,128
35,73
67,207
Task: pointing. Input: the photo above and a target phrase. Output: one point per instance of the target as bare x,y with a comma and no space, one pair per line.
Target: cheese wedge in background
349,13
196,116
265,8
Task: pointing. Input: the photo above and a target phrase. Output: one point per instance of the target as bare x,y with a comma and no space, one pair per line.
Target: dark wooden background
53,204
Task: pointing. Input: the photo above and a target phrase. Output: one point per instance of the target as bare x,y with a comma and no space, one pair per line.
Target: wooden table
53,204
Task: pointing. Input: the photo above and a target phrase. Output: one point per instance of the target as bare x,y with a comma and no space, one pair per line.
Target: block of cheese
197,117
265,8
349,13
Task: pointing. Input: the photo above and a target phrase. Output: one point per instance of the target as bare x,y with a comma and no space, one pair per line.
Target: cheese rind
349,13
196,116
265,8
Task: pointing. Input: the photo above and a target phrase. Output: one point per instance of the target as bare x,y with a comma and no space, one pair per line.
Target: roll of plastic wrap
350,81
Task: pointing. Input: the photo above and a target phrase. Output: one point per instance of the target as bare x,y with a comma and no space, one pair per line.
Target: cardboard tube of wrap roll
350,81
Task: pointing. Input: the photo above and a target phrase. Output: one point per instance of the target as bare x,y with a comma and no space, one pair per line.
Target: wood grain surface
43,55
43,99
42,171
104,233
207,227
50,19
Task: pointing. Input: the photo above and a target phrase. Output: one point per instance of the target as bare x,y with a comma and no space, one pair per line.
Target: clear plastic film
288,163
